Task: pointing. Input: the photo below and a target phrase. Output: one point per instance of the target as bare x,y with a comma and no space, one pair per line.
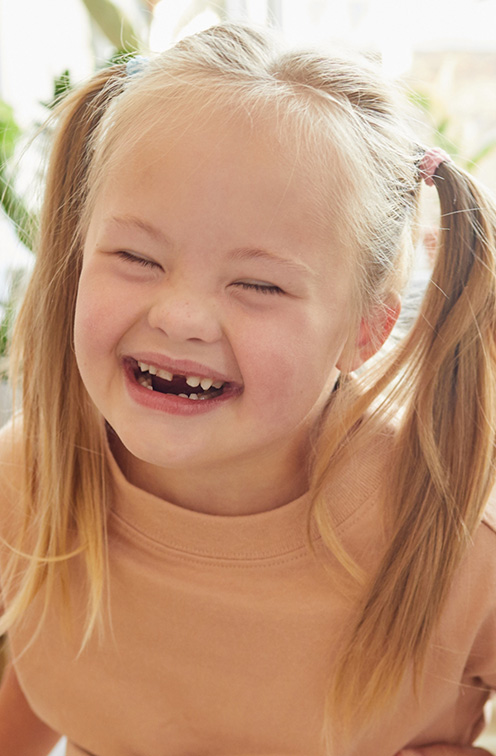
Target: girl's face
205,262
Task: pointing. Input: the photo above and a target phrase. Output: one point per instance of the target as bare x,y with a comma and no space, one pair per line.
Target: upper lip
181,367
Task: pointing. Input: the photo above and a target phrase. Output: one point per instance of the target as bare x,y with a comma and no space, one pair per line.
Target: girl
215,539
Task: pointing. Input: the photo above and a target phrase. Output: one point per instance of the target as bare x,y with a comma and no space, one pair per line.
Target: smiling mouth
192,387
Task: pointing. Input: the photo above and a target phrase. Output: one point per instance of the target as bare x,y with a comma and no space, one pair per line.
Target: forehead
218,160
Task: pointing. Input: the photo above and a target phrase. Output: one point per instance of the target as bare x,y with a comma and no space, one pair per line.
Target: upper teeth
155,371
191,380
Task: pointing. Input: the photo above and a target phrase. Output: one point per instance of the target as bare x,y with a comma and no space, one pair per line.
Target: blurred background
443,51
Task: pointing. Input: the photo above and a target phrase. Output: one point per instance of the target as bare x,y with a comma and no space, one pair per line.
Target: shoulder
356,490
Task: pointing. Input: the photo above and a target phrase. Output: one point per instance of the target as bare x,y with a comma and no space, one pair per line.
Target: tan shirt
224,630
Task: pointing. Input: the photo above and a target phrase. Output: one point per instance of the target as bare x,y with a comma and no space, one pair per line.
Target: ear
373,331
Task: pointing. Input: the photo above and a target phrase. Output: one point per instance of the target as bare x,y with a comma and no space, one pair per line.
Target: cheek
102,306
96,318
291,358
88,315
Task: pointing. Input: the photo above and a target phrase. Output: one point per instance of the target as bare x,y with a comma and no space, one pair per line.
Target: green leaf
9,132
8,318
421,100
114,24
119,56
24,221
482,153
62,85
443,125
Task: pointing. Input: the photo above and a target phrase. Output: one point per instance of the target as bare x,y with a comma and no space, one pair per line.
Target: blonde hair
441,375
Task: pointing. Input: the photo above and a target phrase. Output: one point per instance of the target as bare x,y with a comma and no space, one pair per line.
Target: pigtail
445,454
64,490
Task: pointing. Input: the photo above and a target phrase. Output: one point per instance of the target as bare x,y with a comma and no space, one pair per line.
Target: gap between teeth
147,383
192,380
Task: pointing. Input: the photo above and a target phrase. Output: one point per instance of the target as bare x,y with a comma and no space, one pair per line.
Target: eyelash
262,288
135,259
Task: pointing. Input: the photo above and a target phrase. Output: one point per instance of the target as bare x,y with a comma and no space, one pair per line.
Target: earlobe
374,330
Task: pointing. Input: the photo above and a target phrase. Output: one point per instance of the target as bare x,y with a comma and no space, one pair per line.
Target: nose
185,313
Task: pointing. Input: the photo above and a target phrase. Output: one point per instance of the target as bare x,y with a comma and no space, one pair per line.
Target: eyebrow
243,253
131,221
249,253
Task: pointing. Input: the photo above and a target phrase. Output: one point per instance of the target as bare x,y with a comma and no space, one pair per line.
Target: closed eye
261,287
130,257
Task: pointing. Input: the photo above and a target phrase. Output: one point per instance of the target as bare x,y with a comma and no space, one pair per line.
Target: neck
241,489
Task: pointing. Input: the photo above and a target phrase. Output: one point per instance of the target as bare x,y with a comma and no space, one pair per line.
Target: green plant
444,131
10,200
114,23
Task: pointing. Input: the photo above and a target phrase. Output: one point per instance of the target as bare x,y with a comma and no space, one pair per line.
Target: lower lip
171,403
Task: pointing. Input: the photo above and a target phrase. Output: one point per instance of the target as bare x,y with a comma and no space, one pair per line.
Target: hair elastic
430,162
136,65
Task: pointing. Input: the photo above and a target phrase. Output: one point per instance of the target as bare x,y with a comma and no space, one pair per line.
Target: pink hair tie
430,163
